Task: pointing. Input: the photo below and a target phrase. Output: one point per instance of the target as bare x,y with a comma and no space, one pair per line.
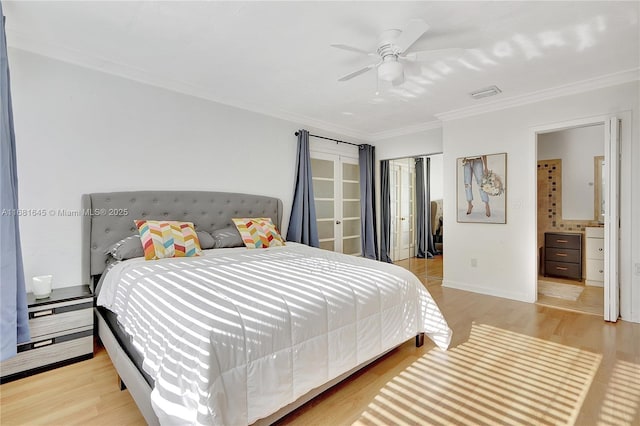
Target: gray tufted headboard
104,222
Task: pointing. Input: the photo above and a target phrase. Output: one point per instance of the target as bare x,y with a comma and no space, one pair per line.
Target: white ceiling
274,57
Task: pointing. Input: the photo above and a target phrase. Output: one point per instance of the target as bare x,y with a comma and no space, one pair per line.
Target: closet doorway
415,204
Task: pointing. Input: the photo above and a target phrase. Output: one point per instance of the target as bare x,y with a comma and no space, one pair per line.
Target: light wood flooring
429,271
510,363
591,301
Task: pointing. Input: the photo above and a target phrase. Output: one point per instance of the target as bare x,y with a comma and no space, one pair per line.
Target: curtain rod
330,139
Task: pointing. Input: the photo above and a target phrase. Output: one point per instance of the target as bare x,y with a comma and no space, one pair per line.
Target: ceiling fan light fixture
390,70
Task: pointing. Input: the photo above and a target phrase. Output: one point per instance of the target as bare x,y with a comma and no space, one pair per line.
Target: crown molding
21,41
607,80
430,125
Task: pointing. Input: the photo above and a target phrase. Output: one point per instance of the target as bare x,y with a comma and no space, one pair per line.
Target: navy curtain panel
14,319
424,239
368,233
302,224
385,213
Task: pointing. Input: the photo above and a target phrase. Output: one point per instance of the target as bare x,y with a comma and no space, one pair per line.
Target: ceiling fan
393,49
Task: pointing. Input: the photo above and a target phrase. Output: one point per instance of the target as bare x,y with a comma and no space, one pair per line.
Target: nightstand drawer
562,255
560,269
49,351
569,241
49,321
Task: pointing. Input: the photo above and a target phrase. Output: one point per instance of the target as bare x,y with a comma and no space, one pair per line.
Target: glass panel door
402,182
412,206
396,204
351,207
336,188
323,176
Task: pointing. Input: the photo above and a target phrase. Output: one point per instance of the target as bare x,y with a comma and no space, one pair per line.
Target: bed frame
108,218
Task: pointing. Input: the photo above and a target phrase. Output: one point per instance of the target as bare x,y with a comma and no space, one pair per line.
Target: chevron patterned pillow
258,232
167,238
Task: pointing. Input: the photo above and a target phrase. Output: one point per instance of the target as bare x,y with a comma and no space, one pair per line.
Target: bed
236,335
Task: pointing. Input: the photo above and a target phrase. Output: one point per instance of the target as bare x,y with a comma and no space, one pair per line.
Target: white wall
412,145
507,253
80,131
436,184
576,148
428,142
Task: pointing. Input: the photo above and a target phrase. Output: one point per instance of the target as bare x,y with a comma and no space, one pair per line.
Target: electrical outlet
474,262
638,268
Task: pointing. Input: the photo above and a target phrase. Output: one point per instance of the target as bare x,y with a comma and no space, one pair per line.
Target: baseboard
520,297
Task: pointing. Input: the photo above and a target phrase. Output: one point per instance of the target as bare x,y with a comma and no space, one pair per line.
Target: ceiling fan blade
352,49
430,54
412,32
357,73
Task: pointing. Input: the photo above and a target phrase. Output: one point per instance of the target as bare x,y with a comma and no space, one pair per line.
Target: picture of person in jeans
475,166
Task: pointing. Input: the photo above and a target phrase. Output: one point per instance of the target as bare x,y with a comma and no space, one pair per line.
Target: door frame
612,260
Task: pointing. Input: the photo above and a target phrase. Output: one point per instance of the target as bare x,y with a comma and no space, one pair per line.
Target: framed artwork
481,188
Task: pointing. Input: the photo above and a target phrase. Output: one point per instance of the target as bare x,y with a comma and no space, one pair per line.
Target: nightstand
61,329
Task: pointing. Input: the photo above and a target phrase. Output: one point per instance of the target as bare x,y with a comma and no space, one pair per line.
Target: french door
402,182
336,188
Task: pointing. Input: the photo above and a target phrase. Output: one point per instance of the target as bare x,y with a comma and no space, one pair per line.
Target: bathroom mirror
598,187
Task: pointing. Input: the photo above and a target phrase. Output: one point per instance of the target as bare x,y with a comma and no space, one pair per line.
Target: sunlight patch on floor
621,403
496,377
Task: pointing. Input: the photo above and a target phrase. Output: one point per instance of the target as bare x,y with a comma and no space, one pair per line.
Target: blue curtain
385,212
368,235
14,319
302,224
424,240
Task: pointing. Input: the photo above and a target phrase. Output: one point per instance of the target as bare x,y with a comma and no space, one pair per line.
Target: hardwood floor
429,271
591,301
510,363
85,393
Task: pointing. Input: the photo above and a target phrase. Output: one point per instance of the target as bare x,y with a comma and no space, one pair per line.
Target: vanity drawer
595,270
595,248
593,232
562,255
561,269
559,240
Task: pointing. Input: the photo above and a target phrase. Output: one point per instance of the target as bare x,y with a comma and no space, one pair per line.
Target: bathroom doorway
576,199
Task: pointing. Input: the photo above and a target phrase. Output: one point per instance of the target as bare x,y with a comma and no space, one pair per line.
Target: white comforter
234,335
